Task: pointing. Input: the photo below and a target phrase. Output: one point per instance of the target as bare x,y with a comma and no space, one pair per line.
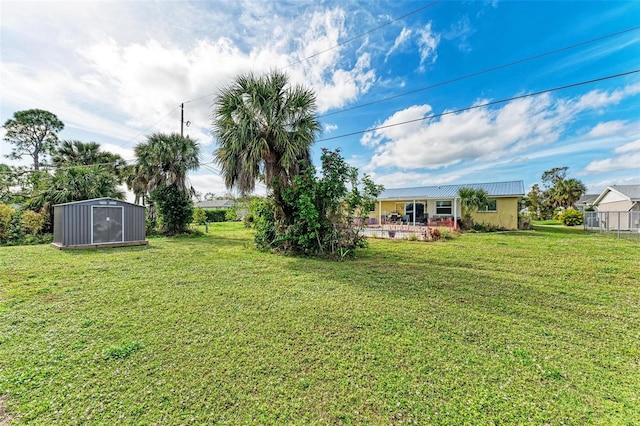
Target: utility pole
182,122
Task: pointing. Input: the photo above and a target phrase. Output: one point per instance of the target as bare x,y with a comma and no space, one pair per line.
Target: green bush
199,216
218,215
32,222
231,215
175,209
6,213
319,214
15,233
572,217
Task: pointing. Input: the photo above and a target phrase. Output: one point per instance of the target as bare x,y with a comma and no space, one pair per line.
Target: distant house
617,208
619,198
586,201
420,205
216,204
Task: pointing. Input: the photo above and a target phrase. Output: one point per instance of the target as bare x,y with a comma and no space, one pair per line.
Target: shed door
107,224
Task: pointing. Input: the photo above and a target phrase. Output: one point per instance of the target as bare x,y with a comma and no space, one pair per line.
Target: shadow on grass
555,229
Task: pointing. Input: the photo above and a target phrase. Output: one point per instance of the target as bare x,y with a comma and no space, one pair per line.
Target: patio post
455,213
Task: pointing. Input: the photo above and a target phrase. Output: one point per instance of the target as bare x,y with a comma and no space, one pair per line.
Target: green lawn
539,327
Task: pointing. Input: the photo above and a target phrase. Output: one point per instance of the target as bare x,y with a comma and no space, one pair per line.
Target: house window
443,207
491,206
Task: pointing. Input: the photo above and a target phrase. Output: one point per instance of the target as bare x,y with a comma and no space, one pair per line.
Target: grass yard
538,327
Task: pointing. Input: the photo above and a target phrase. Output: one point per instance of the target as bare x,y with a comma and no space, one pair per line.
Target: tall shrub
328,211
175,208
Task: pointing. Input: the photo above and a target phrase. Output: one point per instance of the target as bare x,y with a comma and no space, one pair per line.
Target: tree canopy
165,158
471,200
264,126
558,193
33,132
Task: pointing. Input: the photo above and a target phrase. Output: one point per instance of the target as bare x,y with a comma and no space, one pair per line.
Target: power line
485,71
568,86
433,3
150,127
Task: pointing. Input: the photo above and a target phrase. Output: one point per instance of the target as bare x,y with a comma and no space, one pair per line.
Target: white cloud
598,98
479,134
628,158
391,129
460,31
400,40
122,83
607,128
628,147
427,43
125,153
413,179
629,161
467,135
328,128
615,129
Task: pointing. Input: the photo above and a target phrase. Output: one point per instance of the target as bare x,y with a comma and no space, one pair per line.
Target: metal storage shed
101,222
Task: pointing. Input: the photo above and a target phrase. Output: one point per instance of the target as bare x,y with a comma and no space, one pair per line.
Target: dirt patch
5,418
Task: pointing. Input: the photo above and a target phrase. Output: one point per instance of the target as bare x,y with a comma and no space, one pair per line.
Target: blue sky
115,71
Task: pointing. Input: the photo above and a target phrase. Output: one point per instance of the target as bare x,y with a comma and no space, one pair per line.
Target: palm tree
165,158
566,192
470,201
264,128
77,153
137,182
74,183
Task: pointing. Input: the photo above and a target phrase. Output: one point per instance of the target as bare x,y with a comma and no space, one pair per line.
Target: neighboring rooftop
631,191
215,204
587,200
494,189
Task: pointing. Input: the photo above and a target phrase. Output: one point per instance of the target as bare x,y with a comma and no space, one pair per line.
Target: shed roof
92,200
494,189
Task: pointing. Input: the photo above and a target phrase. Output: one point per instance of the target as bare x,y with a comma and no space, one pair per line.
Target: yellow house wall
505,216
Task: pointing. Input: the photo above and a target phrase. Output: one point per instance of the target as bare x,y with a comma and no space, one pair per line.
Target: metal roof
494,189
215,204
587,199
94,200
632,192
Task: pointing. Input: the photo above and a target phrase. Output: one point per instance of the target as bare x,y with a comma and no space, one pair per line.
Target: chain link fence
618,223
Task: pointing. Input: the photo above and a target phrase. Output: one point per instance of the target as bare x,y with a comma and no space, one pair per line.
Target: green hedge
218,215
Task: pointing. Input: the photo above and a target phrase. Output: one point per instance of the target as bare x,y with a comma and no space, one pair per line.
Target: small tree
15,232
33,132
175,208
471,200
328,212
199,216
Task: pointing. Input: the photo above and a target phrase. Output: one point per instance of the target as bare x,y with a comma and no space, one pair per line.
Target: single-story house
215,204
420,205
618,198
617,208
586,201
